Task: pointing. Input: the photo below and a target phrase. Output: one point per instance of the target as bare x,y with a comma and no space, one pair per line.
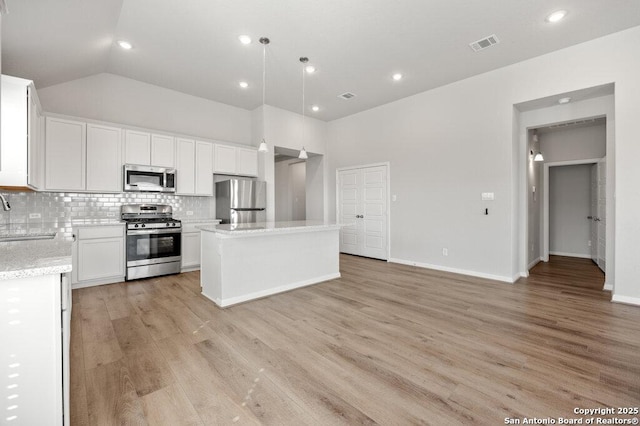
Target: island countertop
261,228
20,259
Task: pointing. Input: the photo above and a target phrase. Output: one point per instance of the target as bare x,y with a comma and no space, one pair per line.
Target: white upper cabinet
22,147
235,160
194,165
137,147
65,154
204,168
247,162
225,159
185,166
149,150
104,158
162,151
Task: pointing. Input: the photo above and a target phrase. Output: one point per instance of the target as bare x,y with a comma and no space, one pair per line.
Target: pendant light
303,152
264,40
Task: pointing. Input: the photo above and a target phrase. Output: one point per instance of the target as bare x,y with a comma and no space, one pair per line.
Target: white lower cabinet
99,255
191,244
35,314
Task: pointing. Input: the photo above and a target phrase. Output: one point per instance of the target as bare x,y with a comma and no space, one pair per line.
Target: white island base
250,261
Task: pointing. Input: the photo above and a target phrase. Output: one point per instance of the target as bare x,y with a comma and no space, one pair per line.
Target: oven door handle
154,231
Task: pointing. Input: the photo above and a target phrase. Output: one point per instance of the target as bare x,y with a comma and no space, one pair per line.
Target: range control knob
168,224
136,225
143,225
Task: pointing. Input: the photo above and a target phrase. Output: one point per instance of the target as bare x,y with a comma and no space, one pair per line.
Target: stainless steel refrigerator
241,201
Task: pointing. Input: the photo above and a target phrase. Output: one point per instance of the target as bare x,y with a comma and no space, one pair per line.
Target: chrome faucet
5,204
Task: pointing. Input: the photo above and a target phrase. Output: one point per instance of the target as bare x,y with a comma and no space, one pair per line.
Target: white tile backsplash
59,211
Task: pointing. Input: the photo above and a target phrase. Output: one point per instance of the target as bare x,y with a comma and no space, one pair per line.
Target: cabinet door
65,154
204,168
247,162
36,144
137,147
100,258
162,151
185,166
191,249
225,159
104,158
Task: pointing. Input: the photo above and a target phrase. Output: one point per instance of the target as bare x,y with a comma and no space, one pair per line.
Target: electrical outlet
589,243
445,252
394,197
189,213
111,214
34,216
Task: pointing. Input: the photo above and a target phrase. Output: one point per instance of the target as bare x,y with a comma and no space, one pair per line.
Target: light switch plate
488,196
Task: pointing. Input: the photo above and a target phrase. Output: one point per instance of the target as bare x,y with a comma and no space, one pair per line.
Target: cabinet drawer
100,232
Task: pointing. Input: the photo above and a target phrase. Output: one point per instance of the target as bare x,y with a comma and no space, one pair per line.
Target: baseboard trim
509,280
533,263
93,283
608,287
560,253
627,300
223,303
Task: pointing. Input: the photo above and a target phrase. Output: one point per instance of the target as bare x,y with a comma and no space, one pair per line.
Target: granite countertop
262,228
21,259
190,220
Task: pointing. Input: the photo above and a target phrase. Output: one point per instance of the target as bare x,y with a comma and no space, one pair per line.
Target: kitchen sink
26,237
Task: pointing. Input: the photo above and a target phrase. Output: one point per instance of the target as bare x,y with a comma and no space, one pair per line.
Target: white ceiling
192,45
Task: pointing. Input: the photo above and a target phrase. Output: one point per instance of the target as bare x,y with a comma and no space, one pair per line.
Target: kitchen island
247,261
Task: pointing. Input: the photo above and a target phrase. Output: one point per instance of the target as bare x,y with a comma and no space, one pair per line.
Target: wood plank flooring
385,344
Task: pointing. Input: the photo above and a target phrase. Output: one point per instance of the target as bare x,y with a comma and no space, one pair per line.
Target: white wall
284,129
569,206
534,200
574,143
109,97
448,145
290,183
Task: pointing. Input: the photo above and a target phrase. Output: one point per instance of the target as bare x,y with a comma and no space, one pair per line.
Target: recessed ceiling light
125,45
397,76
564,100
243,84
556,16
315,108
310,69
244,39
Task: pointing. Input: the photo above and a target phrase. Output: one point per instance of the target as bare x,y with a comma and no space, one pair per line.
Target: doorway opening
567,213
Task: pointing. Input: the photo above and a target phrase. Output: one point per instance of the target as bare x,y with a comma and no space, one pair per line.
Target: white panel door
104,158
162,151
137,147
185,166
204,168
65,154
100,258
362,205
374,212
602,213
247,162
225,159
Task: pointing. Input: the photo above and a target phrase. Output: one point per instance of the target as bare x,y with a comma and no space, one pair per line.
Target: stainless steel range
153,240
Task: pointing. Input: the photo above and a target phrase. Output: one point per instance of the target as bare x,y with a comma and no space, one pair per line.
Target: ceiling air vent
484,43
347,95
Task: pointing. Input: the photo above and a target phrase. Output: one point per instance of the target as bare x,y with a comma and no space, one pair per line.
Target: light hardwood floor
385,344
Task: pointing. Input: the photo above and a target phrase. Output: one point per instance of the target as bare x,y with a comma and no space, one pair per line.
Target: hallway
570,272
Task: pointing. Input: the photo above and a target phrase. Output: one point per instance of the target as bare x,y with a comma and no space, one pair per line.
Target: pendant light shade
538,157
538,154
303,154
264,40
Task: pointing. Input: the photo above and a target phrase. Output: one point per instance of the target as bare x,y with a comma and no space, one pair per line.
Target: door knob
589,217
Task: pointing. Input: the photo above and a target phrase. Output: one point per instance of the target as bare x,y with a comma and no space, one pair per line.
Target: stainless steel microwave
139,178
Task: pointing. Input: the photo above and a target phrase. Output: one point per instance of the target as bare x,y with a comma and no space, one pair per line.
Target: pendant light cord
264,83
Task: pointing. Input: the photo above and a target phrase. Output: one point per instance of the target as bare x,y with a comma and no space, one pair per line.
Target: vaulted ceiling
356,45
